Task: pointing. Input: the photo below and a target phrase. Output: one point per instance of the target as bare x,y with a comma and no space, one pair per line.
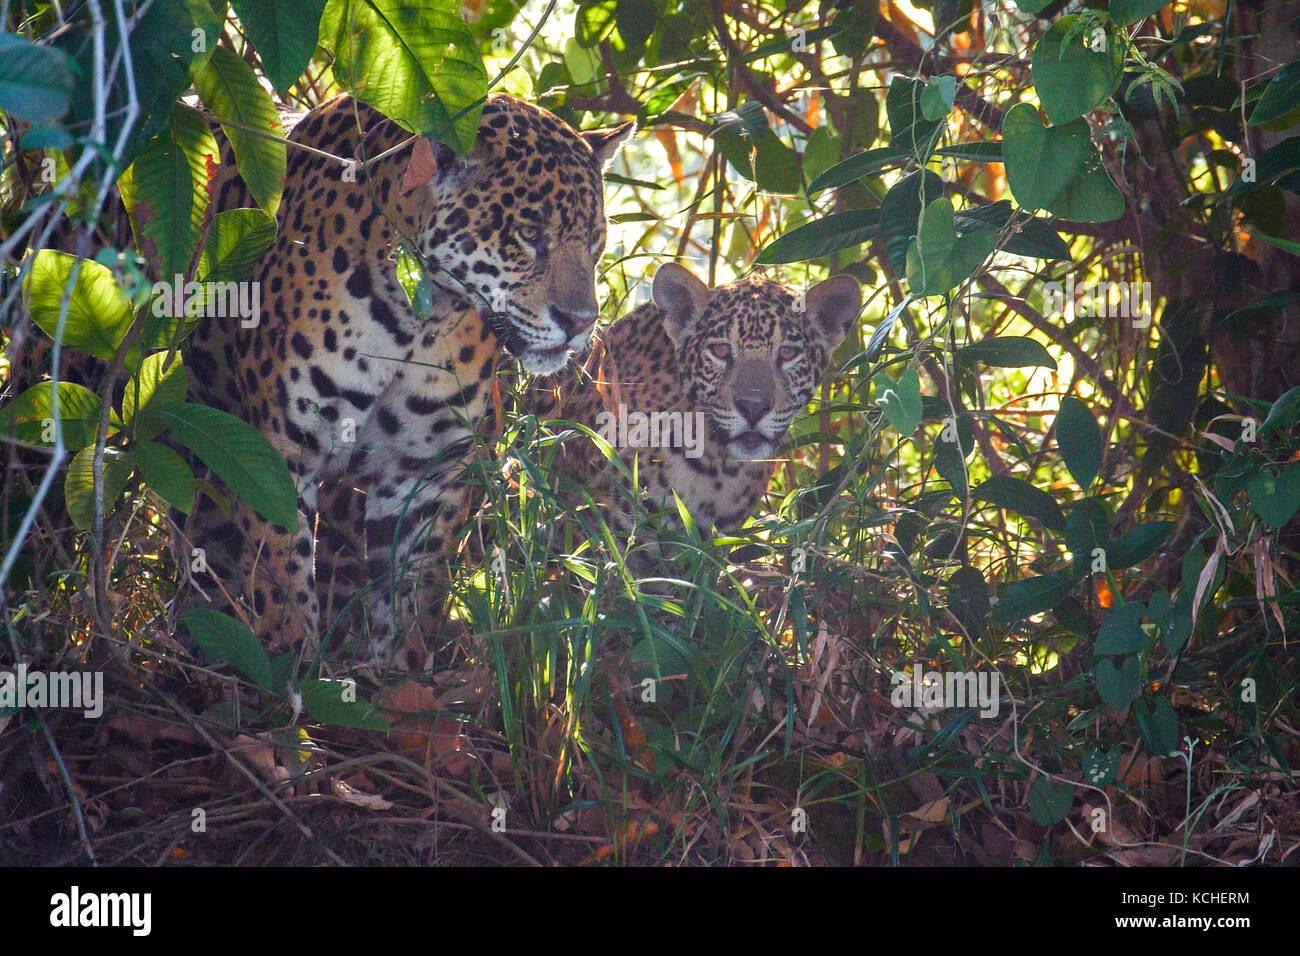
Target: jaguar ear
832,306
680,297
605,143
430,160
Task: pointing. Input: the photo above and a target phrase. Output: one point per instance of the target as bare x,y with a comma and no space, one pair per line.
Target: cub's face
520,225
751,351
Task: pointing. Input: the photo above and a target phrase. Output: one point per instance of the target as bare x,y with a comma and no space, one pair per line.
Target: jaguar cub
354,388
699,386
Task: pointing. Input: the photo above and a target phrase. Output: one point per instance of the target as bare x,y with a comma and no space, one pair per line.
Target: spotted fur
351,386
748,355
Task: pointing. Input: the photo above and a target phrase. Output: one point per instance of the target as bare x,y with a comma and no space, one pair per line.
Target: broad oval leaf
1121,632
35,80
229,640
284,32
78,484
327,701
229,88
166,474
1057,168
415,62
1281,96
830,234
1018,495
236,241
99,312
1138,543
1008,351
900,400
1117,686
32,415
167,386
1080,441
239,454
1031,596
1075,74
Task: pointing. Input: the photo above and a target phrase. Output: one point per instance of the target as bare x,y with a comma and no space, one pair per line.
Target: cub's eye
787,353
529,232
720,351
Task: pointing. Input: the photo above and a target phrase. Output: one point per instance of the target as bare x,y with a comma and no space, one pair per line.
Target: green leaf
1117,686
636,21
230,641
1080,441
1283,413
1121,632
35,81
99,312
1086,529
1275,499
1281,96
1072,79
78,484
900,400
1031,596
937,97
1100,767
415,62
981,151
900,213
968,599
284,32
239,454
1137,544
171,189
1159,728
1125,12
857,167
1034,237
1274,163
1049,801
162,41
938,260
32,415
821,151
236,241
1018,495
166,387
1008,351
325,701
166,474
1057,168
910,130
823,237
229,88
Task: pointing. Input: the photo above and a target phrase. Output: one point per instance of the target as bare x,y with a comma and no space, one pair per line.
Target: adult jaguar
352,386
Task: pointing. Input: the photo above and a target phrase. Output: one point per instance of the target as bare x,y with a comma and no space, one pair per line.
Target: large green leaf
1018,495
78,484
1031,596
415,62
1125,12
1080,441
900,400
236,240
1159,728
170,180
35,81
1049,801
857,167
284,33
1275,499
32,414
99,312
328,702
1121,632
1138,543
1008,351
1070,76
168,39
900,213
1057,168
939,259
822,237
909,130
1281,96
1117,686
166,386
1034,237
229,88
239,454
229,640
165,473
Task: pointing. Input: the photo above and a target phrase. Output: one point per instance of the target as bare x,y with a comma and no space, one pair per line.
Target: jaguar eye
787,353
529,232
720,351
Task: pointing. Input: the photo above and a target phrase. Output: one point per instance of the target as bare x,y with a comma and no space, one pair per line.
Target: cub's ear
680,297
832,305
605,143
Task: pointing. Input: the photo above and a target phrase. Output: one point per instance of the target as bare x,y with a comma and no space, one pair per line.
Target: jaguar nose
753,407
573,322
